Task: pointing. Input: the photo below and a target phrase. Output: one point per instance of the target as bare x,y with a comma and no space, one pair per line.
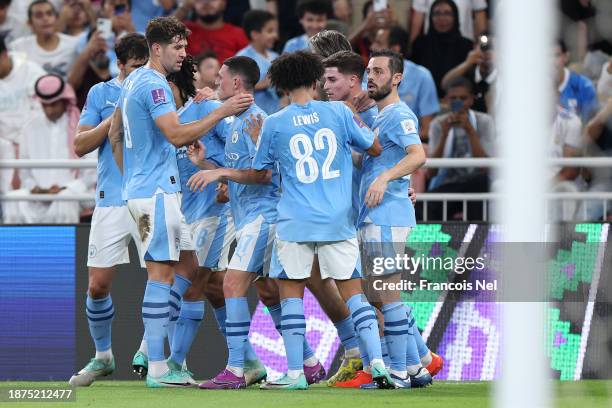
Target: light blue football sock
100,314
155,318
187,325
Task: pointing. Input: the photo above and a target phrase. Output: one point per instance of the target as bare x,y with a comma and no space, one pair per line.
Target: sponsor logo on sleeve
159,96
409,126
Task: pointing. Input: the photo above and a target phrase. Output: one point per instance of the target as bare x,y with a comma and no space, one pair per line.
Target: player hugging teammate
294,210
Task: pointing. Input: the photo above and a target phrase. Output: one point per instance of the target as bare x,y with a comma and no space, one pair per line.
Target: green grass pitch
133,394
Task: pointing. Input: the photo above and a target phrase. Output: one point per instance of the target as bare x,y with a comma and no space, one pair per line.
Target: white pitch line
588,314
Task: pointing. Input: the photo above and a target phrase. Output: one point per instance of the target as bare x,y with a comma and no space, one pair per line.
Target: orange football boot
436,365
360,378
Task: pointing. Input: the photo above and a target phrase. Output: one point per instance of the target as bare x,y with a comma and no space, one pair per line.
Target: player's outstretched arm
183,134
376,149
89,138
115,136
414,159
201,179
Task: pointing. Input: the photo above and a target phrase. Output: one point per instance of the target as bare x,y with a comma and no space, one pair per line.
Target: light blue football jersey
396,127
267,99
368,117
101,101
417,89
248,201
149,159
298,43
198,205
311,144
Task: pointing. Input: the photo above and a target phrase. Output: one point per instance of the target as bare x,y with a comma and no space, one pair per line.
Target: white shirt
566,131
57,61
15,28
465,7
44,139
17,102
604,85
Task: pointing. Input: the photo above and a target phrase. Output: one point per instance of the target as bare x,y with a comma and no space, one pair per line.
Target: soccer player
144,132
343,74
254,210
112,227
386,214
310,142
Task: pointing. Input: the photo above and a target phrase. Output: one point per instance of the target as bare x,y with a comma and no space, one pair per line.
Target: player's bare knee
98,290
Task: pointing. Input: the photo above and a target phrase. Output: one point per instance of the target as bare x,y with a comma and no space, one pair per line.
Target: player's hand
204,94
362,102
475,56
196,152
201,179
412,196
253,129
236,104
222,193
376,192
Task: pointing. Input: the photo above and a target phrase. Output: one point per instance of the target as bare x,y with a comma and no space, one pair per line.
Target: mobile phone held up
105,27
379,5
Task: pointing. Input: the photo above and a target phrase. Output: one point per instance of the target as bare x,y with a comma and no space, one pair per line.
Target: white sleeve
421,6
572,132
478,5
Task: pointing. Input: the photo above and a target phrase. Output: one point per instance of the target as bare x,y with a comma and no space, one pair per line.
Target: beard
210,18
381,92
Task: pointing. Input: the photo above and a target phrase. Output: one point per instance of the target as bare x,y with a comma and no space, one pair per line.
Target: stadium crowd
52,52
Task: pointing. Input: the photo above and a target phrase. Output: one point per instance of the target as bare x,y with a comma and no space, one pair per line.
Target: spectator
417,88
262,29
77,17
207,66
566,141
210,32
343,11
50,136
17,77
443,47
312,15
472,17
91,67
119,12
462,132
604,85
145,10
480,69
364,34
599,134
577,92
9,25
236,12
288,23
54,51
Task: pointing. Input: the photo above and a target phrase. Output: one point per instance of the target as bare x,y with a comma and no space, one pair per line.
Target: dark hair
255,20
246,68
3,41
5,3
347,62
328,42
460,82
562,45
396,63
133,45
318,7
162,30
455,30
364,9
295,70
129,3
36,3
399,36
184,79
203,56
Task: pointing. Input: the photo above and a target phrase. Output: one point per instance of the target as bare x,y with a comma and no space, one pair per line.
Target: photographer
479,67
462,132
